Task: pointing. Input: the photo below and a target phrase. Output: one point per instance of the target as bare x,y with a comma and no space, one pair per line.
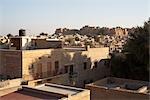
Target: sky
38,16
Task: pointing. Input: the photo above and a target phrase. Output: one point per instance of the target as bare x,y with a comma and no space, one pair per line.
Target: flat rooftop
65,90
123,84
28,95
44,91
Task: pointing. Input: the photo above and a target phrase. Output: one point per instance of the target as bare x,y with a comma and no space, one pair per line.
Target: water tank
22,32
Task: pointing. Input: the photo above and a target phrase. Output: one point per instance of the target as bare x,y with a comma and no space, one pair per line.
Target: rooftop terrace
46,91
124,84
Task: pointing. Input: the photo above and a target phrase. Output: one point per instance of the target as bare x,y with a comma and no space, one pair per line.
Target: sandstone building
83,65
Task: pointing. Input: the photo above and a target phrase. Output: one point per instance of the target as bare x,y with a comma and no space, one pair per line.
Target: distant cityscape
113,38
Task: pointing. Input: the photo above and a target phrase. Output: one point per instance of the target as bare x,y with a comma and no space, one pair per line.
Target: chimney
22,32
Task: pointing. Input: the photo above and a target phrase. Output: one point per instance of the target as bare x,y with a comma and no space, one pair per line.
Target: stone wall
33,59
10,63
101,93
43,63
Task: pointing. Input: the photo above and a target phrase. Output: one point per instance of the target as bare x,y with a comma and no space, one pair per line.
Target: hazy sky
38,16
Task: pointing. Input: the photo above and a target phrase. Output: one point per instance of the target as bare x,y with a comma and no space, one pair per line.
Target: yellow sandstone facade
83,66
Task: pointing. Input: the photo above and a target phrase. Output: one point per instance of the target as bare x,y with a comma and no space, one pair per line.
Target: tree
138,47
119,66
9,35
136,51
138,43
43,34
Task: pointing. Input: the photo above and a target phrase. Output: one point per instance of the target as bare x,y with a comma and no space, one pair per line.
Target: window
49,69
71,69
95,64
66,69
35,44
85,65
39,70
56,66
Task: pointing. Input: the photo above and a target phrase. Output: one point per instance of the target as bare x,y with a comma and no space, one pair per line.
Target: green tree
138,44
43,34
138,47
9,35
136,52
118,65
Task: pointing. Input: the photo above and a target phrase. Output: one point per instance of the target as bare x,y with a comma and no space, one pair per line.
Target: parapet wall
9,86
103,93
10,83
59,79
